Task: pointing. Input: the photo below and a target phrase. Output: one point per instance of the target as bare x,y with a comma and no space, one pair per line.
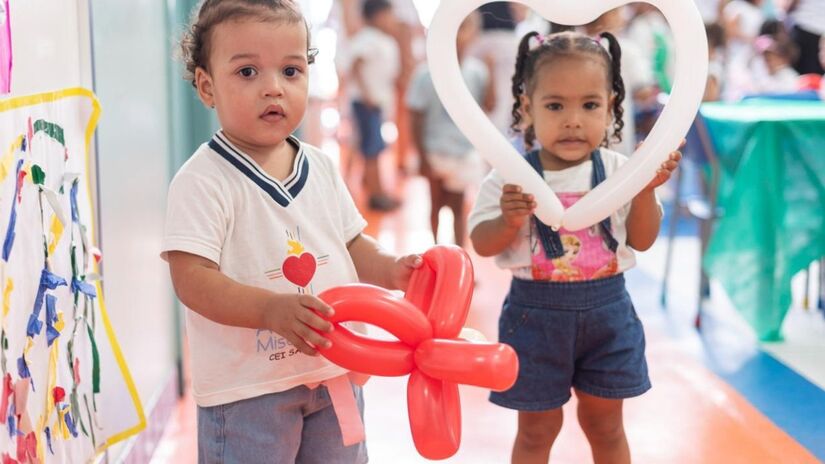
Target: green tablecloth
772,190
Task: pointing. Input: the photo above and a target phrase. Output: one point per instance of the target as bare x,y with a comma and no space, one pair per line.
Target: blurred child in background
447,157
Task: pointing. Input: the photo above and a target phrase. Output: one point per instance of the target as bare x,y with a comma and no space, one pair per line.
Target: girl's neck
551,162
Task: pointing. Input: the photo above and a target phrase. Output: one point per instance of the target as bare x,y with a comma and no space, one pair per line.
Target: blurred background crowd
368,91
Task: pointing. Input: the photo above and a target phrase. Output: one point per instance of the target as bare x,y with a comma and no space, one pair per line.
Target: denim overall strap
598,177
550,239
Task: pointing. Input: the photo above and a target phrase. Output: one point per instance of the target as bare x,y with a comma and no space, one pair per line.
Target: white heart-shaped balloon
620,188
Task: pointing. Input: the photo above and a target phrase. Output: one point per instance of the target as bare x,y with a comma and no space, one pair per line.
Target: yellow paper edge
29,100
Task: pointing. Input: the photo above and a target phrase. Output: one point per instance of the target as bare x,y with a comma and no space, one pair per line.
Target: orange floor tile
690,415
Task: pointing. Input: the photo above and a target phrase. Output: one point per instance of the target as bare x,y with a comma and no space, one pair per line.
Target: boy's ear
203,82
526,110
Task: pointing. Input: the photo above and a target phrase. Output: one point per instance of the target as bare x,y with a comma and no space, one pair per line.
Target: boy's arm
378,267
202,288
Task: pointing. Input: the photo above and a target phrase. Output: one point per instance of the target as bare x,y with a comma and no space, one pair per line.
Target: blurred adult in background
497,46
651,32
822,63
408,34
448,160
709,9
637,73
374,70
778,53
808,18
742,20
716,61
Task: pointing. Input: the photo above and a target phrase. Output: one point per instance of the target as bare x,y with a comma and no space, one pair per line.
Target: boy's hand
665,170
294,317
403,269
516,207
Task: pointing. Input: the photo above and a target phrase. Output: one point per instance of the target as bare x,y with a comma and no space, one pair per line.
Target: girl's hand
665,170
403,269
516,207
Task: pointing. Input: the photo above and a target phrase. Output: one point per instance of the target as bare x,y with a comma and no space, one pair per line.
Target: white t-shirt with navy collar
287,236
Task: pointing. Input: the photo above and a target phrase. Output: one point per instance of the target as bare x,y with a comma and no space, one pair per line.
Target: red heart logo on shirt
300,269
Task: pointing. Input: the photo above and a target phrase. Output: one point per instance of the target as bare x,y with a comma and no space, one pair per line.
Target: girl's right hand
293,316
516,207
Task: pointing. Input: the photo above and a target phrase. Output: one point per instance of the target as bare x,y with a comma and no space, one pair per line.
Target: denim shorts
294,426
583,335
368,120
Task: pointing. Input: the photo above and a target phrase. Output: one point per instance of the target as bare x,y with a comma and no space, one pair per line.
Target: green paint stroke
38,176
51,129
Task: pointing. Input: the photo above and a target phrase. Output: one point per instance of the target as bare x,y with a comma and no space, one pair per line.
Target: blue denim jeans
368,121
582,335
294,426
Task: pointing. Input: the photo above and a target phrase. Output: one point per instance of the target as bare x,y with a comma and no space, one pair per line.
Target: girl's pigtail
520,85
617,84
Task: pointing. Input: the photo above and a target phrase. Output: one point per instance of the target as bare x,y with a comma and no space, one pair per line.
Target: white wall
50,43
52,49
131,61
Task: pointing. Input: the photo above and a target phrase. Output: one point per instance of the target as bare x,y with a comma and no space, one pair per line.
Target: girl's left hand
665,170
403,269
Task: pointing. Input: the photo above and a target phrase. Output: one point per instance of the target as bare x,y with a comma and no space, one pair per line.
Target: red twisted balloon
427,322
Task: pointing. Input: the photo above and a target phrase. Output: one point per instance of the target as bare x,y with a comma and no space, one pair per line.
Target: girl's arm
491,237
643,221
375,266
645,217
202,287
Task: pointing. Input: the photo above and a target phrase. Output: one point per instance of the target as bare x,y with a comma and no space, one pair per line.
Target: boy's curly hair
195,43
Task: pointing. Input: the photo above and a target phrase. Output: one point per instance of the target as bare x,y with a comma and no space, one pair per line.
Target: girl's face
257,81
569,109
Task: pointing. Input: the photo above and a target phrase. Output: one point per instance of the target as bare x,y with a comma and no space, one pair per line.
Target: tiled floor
690,416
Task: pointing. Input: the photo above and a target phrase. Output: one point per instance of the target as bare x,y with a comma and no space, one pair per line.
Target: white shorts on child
458,173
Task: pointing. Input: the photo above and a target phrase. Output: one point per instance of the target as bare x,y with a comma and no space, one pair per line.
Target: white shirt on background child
381,66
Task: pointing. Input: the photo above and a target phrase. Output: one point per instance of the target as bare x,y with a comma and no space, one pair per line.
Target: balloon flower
427,322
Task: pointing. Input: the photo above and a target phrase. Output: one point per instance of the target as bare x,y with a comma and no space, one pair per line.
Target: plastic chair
700,206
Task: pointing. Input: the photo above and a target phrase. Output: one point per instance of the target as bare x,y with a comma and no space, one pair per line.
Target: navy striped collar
283,192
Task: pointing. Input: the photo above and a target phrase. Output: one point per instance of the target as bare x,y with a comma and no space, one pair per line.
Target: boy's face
257,81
